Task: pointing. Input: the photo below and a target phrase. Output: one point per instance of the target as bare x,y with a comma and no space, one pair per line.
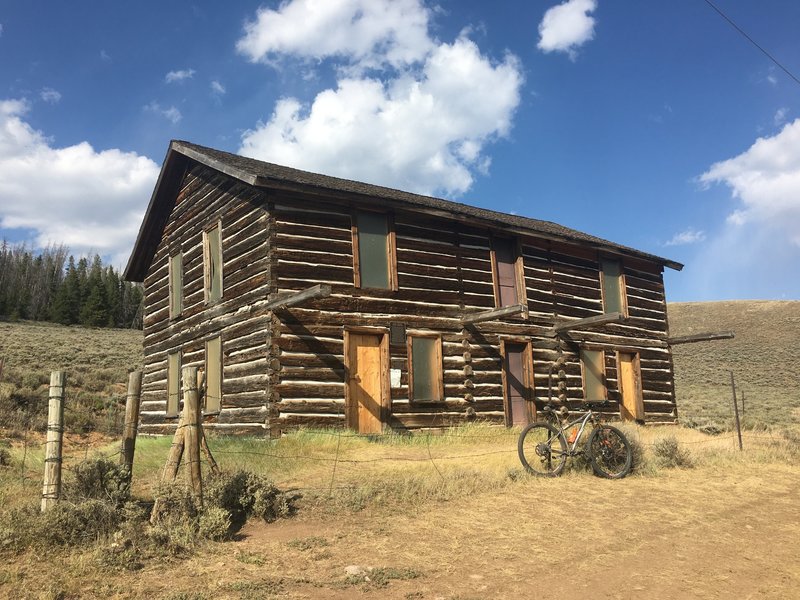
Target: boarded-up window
425,368
175,285
373,251
507,266
594,375
173,383
213,391
613,286
212,263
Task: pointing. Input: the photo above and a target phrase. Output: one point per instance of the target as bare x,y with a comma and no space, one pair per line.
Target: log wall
286,368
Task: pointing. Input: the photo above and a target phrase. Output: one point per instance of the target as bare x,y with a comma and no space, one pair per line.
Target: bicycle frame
583,420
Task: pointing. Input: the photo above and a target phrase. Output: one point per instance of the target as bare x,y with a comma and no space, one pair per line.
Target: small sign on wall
394,377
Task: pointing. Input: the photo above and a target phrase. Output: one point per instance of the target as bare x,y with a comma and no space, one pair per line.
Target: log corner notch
287,299
700,337
495,313
565,326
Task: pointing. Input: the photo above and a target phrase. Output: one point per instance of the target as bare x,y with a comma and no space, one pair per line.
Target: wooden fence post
736,411
51,489
191,433
131,427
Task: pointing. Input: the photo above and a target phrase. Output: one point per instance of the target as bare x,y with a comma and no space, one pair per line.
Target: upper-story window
175,284
508,272
374,261
212,263
612,281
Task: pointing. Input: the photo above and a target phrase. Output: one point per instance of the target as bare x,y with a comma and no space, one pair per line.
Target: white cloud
424,127
566,27
369,33
75,195
780,116
688,236
105,56
217,87
755,252
50,95
1,30
178,76
171,114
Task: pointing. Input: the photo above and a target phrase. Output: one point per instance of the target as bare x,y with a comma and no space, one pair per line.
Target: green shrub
668,453
5,457
244,494
99,479
214,524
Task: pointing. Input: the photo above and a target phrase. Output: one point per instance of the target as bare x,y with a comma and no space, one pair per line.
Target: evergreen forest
51,285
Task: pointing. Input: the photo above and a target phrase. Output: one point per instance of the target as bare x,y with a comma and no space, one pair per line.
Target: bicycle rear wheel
542,449
609,452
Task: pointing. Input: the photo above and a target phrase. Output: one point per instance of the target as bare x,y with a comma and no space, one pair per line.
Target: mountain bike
543,446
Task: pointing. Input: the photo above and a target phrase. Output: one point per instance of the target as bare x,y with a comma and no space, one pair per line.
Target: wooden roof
271,176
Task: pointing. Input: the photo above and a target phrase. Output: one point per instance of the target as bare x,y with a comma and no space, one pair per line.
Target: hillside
763,357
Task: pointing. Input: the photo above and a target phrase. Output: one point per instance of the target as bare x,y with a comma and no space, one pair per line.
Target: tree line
50,285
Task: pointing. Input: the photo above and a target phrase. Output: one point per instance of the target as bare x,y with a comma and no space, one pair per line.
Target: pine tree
94,310
66,305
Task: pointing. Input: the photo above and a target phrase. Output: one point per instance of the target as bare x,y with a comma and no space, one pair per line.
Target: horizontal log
700,337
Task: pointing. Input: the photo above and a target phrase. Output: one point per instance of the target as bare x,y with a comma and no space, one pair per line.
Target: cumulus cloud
178,76
423,127
757,245
217,87
171,114
90,200
50,95
566,27
369,33
688,236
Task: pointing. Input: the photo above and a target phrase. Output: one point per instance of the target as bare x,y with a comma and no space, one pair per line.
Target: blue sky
652,124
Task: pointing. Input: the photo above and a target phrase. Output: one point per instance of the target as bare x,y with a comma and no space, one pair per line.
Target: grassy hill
764,357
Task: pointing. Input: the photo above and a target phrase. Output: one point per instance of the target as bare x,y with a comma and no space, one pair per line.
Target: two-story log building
313,300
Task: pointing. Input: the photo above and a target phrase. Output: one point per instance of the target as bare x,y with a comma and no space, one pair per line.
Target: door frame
386,391
637,369
528,364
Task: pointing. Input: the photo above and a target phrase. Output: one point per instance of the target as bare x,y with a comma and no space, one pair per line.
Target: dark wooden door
505,258
517,379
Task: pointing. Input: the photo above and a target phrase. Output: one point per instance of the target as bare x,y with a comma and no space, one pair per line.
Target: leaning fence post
51,489
191,423
736,412
131,421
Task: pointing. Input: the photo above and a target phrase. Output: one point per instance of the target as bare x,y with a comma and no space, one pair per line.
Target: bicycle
543,446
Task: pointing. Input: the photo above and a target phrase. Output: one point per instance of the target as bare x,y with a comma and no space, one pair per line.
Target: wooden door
516,367
366,382
630,386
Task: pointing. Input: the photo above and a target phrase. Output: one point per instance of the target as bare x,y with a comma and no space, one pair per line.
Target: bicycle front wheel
609,452
542,449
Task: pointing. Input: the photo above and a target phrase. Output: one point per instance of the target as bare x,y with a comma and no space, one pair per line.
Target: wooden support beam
321,290
615,317
700,337
495,313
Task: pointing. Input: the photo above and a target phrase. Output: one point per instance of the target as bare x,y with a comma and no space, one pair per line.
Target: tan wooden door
517,380
630,384
365,383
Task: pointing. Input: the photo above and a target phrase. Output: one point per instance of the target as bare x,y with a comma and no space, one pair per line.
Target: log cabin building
310,300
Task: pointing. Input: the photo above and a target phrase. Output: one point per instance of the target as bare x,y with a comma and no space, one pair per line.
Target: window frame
603,379
519,270
213,401
174,376
439,372
391,249
621,282
207,257
175,284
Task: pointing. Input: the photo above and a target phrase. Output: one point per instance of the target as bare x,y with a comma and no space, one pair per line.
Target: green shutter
425,368
213,375
593,374
173,383
612,286
373,250
175,284
214,266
